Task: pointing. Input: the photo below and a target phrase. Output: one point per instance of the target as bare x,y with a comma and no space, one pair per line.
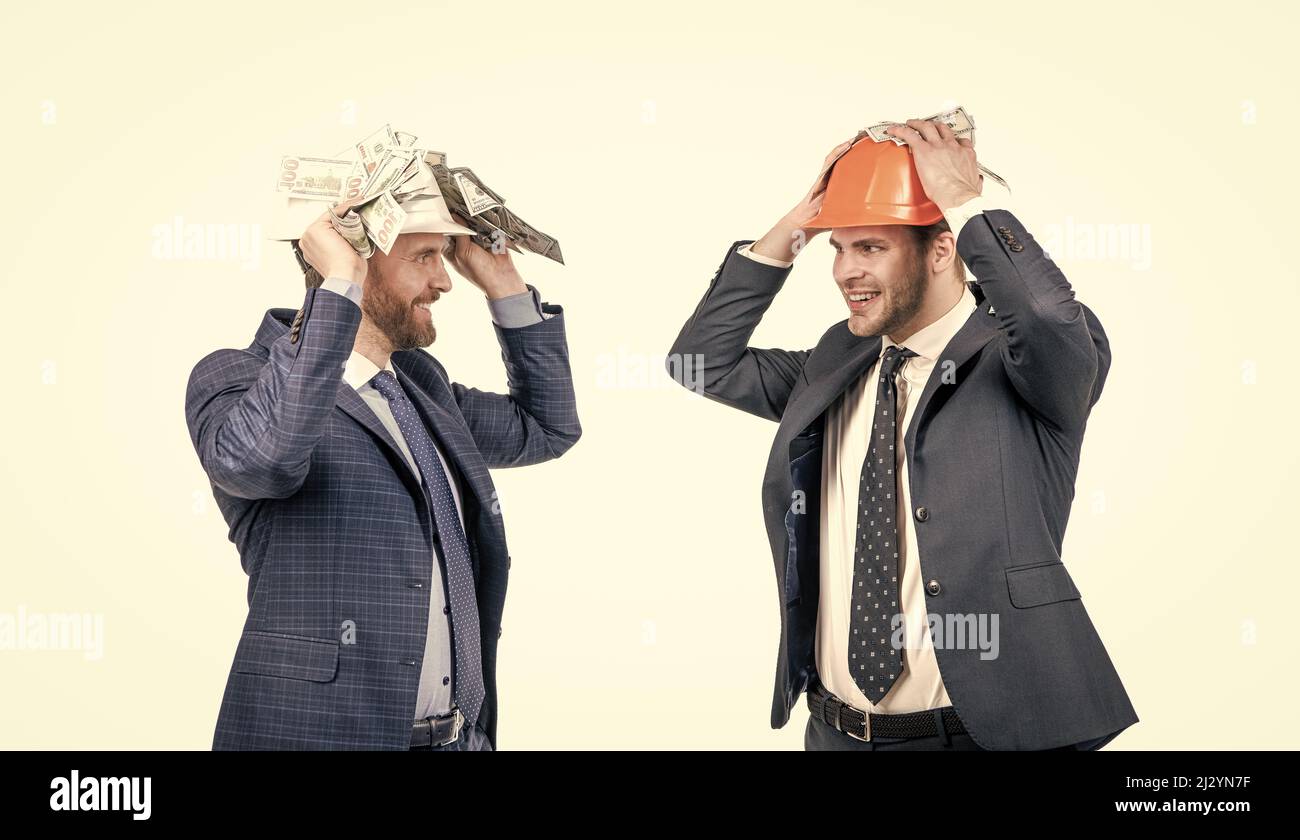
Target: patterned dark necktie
873,661
468,688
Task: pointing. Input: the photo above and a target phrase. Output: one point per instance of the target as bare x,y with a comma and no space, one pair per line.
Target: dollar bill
370,151
312,177
477,198
995,176
351,228
354,184
484,210
391,171
383,219
961,123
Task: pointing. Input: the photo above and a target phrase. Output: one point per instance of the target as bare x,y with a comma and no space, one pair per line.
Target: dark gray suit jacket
992,460
334,529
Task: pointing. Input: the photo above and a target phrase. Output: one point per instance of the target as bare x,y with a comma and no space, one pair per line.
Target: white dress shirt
848,433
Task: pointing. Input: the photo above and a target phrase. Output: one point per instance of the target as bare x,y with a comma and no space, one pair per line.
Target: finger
968,142
455,251
465,248
926,129
346,204
905,133
819,187
945,131
836,152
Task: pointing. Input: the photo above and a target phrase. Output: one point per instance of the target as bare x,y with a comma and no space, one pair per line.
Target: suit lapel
847,363
979,329
355,407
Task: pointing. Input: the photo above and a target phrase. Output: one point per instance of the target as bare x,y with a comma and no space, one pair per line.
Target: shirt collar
359,370
929,341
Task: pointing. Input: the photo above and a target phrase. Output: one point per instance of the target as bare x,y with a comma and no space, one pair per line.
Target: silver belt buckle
458,722
866,725
839,721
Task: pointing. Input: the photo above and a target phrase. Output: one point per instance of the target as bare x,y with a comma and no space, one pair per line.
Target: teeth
863,296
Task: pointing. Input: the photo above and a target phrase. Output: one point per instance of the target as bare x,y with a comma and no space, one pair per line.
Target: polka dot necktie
468,688
873,661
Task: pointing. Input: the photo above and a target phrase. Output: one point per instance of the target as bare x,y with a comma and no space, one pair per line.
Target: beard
899,304
398,319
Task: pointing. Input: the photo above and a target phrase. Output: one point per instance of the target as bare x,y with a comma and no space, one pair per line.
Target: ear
943,251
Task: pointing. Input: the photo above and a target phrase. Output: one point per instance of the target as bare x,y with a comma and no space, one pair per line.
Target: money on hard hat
388,185
961,123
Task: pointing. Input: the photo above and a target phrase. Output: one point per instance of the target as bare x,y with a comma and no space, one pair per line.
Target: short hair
309,275
923,237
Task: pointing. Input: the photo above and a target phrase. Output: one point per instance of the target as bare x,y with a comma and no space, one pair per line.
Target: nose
846,272
441,278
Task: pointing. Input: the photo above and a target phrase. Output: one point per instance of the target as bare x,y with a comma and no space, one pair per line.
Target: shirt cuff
339,286
521,310
994,197
745,251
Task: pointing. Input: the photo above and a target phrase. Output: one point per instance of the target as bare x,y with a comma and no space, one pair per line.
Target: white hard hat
426,212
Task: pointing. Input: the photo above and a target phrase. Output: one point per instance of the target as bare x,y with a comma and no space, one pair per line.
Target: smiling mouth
860,301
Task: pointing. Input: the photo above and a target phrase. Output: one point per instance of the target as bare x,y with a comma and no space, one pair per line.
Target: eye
871,249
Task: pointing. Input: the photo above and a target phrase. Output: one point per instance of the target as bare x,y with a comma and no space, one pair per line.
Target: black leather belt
833,711
437,731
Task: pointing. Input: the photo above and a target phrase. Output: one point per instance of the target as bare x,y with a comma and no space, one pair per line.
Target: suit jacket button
1017,247
922,514
932,587
1004,230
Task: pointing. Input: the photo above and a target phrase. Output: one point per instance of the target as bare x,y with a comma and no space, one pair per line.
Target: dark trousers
472,739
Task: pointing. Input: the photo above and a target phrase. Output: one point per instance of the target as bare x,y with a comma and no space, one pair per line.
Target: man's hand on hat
945,163
495,274
789,235
325,250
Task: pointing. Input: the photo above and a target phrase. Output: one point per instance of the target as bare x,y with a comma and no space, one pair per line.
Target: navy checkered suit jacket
333,528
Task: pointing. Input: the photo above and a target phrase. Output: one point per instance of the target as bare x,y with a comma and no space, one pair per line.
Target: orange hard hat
875,184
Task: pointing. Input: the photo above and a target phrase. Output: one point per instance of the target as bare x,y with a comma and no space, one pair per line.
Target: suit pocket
283,655
1039,584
